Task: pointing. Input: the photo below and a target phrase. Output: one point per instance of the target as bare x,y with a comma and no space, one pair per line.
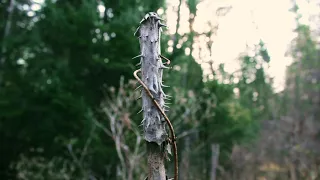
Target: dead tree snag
153,97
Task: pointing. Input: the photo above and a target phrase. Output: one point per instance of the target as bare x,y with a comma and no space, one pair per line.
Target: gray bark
215,149
151,68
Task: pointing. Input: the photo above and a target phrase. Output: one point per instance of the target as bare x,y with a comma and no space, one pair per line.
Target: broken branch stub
151,69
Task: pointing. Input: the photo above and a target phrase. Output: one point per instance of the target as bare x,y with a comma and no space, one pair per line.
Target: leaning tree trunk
151,68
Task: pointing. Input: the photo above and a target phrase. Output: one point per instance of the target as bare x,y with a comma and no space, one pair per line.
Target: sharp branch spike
140,55
163,85
143,121
138,87
139,97
157,17
162,25
140,111
164,67
137,30
168,60
144,18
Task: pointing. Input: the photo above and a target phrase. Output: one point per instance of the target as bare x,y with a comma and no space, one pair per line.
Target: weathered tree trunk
151,68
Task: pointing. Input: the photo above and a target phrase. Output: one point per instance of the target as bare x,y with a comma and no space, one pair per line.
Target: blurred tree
55,63
228,123
303,74
254,85
302,99
58,58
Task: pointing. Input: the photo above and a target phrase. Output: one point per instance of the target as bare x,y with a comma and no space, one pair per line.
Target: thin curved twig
173,137
168,60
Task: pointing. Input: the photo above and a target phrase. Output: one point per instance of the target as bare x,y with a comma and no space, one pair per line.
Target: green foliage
54,68
254,85
212,115
302,87
186,73
56,65
229,124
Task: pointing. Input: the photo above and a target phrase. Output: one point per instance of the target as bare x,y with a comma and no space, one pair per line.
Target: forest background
68,109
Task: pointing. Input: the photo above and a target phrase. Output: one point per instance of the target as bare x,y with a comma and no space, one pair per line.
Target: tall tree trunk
215,149
6,33
151,68
7,29
185,160
176,34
